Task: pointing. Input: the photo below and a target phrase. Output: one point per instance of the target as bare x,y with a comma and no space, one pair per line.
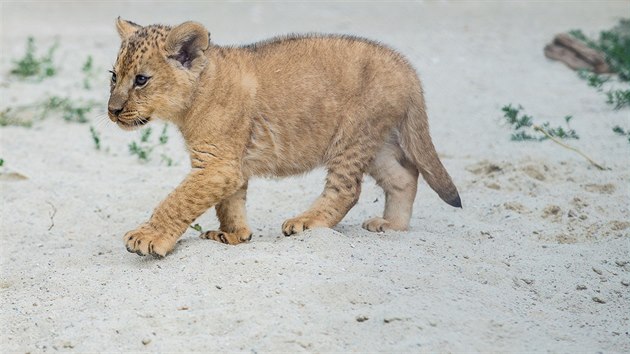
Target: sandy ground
536,261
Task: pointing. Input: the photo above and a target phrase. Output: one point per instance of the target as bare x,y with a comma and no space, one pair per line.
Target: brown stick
576,54
538,128
589,54
52,215
565,55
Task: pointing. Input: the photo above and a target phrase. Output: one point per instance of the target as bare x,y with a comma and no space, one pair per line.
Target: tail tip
455,202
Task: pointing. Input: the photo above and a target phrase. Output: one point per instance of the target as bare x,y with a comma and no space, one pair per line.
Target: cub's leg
343,186
213,178
232,215
399,179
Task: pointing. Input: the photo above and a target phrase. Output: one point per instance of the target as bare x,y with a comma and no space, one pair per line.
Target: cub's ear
126,28
187,42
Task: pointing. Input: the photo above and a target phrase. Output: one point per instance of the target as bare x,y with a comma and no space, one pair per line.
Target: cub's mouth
137,122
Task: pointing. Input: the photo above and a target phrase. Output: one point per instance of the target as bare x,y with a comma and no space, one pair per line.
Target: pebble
598,271
599,300
146,341
362,318
580,287
625,282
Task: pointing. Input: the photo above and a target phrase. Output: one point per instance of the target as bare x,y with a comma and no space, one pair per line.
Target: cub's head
155,71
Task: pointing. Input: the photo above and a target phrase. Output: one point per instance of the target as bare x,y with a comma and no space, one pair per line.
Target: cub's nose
115,111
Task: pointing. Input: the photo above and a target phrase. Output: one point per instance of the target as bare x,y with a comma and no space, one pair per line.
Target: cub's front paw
147,240
301,223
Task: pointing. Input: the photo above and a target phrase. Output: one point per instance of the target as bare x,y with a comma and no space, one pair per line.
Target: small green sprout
593,80
621,132
88,72
141,151
143,148
618,98
96,138
167,160
615,44
71,111
31,67
25,115
11,116
145,135
164,136
525,129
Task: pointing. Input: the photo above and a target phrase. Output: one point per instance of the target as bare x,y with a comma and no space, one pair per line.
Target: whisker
101,122
99,117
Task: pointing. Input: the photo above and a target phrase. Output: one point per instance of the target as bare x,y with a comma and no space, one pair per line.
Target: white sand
499,275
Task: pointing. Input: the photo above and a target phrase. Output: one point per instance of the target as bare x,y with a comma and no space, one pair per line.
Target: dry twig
52,215
538,128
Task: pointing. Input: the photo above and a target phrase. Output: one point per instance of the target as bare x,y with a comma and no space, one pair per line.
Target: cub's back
332,62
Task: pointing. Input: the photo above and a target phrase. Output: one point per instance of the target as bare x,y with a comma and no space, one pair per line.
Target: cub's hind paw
381,225
376,225
147,240
230,238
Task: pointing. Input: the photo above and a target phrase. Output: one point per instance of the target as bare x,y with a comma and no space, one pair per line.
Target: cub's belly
276,152
267,165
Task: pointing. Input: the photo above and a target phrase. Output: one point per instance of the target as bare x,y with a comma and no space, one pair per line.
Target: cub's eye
113,76
141,80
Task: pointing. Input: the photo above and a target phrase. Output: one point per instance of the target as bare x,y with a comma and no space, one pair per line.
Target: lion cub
275,108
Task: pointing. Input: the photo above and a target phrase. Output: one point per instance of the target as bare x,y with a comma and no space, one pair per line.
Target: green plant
618,98
11,116
88,72
620,131
196,227
96,138
593,79
615,44
2,164
167,160
70,110
29,66
163,139
525,129
141,151
144,147
145,135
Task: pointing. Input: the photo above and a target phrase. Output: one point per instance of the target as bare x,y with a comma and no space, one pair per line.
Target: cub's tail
418,147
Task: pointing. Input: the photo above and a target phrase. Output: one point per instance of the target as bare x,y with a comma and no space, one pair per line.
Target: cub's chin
134,124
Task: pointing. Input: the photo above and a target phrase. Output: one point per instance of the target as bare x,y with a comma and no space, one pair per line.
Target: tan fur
276,108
